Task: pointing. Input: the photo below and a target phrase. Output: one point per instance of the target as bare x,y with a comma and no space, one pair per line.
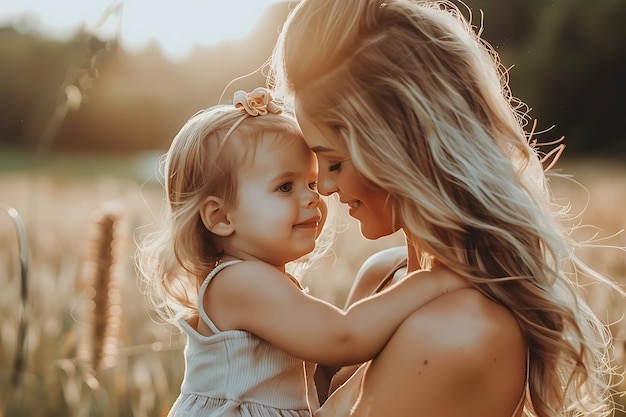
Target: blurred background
127,78
91,93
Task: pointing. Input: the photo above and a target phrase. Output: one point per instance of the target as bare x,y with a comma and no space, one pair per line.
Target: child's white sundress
235,373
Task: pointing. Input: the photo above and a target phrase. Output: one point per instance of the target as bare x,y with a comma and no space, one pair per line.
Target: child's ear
215,218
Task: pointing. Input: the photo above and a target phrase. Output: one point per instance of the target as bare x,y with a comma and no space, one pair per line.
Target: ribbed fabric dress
235,373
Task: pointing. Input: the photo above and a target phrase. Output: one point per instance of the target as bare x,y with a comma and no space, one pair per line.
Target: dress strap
203,288
296,282
390,275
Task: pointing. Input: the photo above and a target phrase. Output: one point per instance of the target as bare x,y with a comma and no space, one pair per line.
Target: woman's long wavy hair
422,106
203,160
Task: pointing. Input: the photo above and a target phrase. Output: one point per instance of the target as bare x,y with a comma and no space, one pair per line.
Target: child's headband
259,102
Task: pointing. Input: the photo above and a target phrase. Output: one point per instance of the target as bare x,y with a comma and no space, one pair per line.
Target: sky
177,25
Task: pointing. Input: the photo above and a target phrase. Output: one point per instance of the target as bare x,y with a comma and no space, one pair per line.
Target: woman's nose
325,184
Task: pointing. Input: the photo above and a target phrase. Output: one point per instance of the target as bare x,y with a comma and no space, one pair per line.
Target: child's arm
258,298
369,277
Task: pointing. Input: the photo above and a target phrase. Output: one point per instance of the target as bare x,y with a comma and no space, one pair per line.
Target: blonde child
242,203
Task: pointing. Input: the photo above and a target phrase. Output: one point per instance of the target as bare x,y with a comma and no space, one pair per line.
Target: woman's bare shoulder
468,320
461,354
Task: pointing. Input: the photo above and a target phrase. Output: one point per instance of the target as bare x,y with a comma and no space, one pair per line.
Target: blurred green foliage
567,59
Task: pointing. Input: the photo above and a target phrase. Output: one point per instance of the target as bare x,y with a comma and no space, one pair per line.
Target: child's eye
334,167
286,187
313,185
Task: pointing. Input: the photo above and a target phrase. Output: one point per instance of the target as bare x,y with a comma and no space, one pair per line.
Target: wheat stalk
98,346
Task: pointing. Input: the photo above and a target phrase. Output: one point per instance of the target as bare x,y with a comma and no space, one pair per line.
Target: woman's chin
370,234
375,230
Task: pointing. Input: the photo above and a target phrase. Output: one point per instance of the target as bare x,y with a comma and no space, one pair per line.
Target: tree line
84,93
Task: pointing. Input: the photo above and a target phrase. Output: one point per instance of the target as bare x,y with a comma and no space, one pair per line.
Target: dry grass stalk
98,346
19,363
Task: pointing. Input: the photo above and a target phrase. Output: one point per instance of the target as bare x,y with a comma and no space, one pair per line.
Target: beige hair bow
259,102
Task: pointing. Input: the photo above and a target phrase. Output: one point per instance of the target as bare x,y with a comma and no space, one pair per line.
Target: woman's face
368,202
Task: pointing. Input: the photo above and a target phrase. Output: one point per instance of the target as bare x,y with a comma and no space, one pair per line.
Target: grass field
75,211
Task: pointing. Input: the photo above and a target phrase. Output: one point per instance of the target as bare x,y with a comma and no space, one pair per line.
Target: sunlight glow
176,26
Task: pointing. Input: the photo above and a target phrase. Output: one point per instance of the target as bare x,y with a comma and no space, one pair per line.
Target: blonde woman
415,129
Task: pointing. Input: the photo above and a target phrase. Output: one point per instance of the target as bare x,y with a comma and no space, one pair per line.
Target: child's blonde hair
422,106
203,160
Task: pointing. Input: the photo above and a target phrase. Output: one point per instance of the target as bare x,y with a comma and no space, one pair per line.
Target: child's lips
311,223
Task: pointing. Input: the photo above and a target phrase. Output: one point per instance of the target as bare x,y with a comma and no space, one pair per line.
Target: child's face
277,215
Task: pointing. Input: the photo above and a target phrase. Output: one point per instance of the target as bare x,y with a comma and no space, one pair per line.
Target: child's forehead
266,141
273,148
272,139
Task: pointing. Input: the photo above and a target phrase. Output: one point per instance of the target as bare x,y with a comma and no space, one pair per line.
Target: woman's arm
256,297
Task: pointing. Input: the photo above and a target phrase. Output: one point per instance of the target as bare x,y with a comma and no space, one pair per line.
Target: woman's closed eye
335,166
313,185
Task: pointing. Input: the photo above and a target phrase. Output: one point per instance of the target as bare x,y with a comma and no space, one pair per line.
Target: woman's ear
215,218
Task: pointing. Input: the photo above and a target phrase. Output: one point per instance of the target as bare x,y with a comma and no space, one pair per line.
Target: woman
414,128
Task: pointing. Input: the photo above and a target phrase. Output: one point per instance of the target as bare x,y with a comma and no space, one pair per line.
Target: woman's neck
414,255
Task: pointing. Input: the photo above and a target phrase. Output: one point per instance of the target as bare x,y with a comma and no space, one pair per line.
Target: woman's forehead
318,138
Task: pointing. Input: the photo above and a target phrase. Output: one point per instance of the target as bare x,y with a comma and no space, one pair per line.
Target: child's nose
312,198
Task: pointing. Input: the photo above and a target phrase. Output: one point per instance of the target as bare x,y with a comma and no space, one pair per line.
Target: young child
242,203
